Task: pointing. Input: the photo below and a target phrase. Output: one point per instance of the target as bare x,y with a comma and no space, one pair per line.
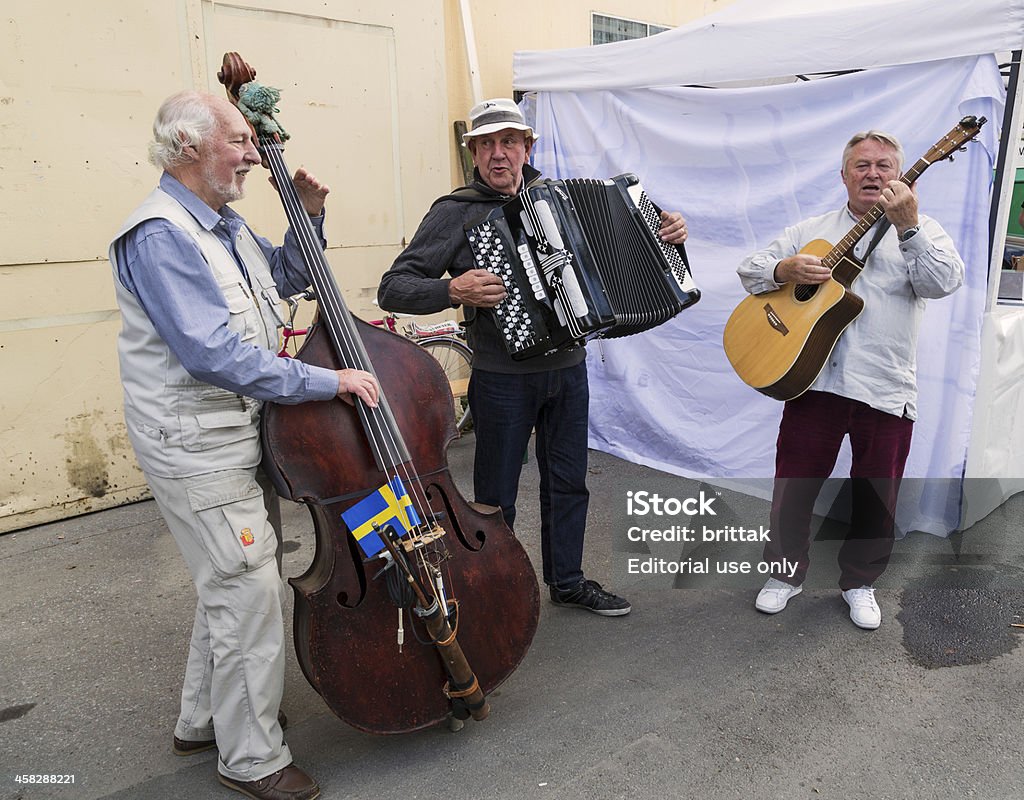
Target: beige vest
180,426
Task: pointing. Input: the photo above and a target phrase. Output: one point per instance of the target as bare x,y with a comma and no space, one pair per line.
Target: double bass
437,620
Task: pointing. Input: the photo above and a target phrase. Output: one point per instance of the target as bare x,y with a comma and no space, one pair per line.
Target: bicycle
445,341
288,330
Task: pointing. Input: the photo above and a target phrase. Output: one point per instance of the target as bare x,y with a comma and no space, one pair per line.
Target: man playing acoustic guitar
868,387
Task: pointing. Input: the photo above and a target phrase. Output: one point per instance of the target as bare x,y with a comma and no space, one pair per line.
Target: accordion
580,258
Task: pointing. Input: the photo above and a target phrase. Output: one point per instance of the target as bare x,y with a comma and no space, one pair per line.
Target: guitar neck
845,245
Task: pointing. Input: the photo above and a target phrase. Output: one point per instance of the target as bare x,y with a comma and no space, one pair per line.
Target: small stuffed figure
258,105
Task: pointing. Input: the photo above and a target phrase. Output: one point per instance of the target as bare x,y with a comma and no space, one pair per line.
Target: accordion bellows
580,258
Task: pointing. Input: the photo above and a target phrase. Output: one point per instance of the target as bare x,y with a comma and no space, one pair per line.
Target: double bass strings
382,430
389,450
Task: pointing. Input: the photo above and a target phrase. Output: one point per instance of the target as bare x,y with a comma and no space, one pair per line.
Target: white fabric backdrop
741,164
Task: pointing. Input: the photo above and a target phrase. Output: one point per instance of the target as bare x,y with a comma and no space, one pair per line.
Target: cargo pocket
212,417
243,316
235,530
268,290
270,309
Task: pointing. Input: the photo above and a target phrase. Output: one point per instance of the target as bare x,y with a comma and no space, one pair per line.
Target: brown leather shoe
290,783
184,747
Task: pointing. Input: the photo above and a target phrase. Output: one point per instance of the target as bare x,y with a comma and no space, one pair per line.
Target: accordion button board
580,258
520,322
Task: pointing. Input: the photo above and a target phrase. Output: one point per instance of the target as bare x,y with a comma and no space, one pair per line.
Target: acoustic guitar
778,341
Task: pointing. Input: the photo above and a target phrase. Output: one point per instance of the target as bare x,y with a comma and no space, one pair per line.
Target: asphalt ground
693,695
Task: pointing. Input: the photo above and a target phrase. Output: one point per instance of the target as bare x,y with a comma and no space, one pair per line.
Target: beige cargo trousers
227,526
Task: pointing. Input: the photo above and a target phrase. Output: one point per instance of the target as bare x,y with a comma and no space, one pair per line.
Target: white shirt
875,360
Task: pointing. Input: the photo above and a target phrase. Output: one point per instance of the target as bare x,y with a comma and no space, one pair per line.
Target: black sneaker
589,595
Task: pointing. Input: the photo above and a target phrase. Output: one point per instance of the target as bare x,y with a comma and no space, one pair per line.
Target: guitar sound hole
805,291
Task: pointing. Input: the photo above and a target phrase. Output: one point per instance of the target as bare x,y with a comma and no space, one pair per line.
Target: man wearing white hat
509,399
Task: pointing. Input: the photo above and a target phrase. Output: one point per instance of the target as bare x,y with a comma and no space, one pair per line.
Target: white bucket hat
495,115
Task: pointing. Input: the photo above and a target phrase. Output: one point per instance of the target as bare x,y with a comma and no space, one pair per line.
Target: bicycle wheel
455,359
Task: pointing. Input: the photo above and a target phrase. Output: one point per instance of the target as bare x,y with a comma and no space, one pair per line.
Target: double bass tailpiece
462,688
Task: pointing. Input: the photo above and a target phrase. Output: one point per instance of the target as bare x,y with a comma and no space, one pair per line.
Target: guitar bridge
774,320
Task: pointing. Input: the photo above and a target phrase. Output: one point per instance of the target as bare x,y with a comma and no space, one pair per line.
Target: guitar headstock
965,130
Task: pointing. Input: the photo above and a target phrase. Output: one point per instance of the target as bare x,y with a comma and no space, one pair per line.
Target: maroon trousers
812,430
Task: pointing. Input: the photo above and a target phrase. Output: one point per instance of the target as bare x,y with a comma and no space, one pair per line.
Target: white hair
183,119
879,136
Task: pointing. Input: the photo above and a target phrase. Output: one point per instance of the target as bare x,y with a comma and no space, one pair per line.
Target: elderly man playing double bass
197,292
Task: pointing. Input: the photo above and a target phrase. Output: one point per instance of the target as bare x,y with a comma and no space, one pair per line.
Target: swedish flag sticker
389,505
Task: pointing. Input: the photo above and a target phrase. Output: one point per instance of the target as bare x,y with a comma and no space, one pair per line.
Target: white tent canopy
744,163
754,40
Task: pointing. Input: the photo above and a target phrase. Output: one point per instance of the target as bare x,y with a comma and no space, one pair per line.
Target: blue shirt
163,267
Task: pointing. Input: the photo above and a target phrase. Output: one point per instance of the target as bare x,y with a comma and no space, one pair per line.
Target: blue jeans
506,408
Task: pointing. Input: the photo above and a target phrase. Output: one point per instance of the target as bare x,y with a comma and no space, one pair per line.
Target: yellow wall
363,93
369,93
503,28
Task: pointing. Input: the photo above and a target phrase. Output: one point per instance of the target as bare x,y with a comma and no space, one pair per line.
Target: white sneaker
864,611
774,596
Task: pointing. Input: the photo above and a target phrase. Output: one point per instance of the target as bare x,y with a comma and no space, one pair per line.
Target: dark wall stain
86,461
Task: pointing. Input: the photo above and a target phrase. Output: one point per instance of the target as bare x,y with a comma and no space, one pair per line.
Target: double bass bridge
415,541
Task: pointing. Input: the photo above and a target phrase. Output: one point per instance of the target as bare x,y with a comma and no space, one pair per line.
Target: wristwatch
909,232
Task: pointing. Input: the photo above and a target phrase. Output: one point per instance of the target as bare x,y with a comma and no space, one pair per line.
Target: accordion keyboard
580,258
519,323
680,270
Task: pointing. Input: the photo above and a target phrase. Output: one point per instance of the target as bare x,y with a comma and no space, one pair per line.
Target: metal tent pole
1005,172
